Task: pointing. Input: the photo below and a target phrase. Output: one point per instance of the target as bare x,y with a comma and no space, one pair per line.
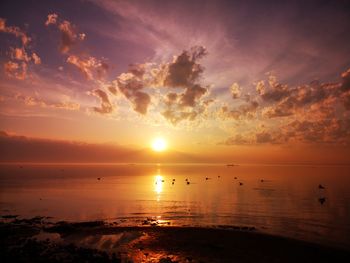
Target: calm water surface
287,202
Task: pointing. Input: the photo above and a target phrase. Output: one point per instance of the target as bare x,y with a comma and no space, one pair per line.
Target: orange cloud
16,31
69,36
106,106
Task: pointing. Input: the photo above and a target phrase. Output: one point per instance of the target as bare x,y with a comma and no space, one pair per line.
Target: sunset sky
231,81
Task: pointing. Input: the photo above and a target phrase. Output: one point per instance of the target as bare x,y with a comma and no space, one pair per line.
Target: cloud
106,106
184,71
131,86
35,101
238,139
51,19
16,31
69,35
16,70
242,112
263,137
345,85
310,113
331,131
191,95
90,67
36,59
20,57
275,92
113,90
19,54
235,91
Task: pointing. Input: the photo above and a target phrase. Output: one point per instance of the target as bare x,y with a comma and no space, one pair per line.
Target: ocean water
276,199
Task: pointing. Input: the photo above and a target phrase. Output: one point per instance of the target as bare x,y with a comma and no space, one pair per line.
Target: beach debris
322,200
320,186
240,183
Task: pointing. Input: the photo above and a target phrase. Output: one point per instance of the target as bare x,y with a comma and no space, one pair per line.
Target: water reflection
284,200
158,185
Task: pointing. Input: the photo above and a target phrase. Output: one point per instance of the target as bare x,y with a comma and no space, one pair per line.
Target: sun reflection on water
158,185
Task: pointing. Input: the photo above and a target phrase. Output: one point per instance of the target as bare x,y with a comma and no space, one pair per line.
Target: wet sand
37,240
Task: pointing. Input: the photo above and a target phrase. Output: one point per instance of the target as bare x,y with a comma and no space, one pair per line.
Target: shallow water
287,202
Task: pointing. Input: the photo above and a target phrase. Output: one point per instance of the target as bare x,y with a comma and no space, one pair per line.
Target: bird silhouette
322,200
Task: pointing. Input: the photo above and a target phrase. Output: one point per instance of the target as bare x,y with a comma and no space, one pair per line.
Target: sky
220,81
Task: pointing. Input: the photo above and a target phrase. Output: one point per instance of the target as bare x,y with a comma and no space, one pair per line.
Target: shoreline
28,240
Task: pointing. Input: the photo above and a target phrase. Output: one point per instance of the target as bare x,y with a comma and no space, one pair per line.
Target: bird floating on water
322,200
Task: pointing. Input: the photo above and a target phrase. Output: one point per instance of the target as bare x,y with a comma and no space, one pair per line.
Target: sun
159,145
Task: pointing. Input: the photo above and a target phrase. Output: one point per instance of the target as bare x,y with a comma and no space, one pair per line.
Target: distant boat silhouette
231,164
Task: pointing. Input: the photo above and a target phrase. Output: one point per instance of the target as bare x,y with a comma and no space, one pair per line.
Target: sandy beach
38,240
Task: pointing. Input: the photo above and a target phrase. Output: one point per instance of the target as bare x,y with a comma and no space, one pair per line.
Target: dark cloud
191,95
106,106
177,116
245,111
181,75
131,86
25,149
332,131
288,101
113,90
238,139
184,71
264,137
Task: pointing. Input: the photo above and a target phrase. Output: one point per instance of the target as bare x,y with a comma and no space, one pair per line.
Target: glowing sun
159,145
